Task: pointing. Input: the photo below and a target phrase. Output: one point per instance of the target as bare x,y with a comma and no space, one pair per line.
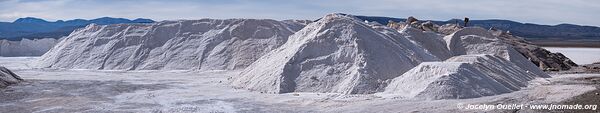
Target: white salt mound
431,41
26,47
475,40
7,77
465,76
482,65
338,54
206,44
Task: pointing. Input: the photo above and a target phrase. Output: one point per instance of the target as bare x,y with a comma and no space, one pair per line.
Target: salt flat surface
17,63
176,91
578,55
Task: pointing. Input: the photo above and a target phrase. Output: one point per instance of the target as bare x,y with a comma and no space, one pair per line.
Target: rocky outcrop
429,26
533,32
594,67
541,57
7,77
396,25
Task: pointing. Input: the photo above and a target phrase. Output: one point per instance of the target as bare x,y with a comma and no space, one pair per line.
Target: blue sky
583,12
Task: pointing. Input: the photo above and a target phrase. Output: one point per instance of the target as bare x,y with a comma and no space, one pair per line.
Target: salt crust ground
57,90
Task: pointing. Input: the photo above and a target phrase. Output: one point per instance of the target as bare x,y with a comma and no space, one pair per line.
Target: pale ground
578,55
61,90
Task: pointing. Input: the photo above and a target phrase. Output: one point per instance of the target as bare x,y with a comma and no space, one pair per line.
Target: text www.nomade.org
524,106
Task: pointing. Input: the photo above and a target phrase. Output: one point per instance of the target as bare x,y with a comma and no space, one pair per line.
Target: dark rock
541,57
429,26
411,19
7,77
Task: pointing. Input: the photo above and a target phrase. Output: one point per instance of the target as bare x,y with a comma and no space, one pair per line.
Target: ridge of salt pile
337,54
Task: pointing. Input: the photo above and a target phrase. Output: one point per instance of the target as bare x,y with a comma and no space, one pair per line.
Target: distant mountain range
530,31
31,27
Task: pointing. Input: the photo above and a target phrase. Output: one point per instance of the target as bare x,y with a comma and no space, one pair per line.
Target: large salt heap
204,44
7,77
482,65
465,76
338,53
541,57
475,40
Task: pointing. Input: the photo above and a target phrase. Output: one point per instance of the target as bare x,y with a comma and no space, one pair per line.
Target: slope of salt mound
475,40
405,39
458,41
432,42
506,72
465,76
206,44
543,58
7,77
337,54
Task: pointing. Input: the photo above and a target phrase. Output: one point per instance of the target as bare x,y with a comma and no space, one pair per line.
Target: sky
549,12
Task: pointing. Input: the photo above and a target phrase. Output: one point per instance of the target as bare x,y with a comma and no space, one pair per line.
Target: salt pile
336,54
541,57
475,40
465,76
482,65
431,41
339,54
7,77
205,44
26,47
